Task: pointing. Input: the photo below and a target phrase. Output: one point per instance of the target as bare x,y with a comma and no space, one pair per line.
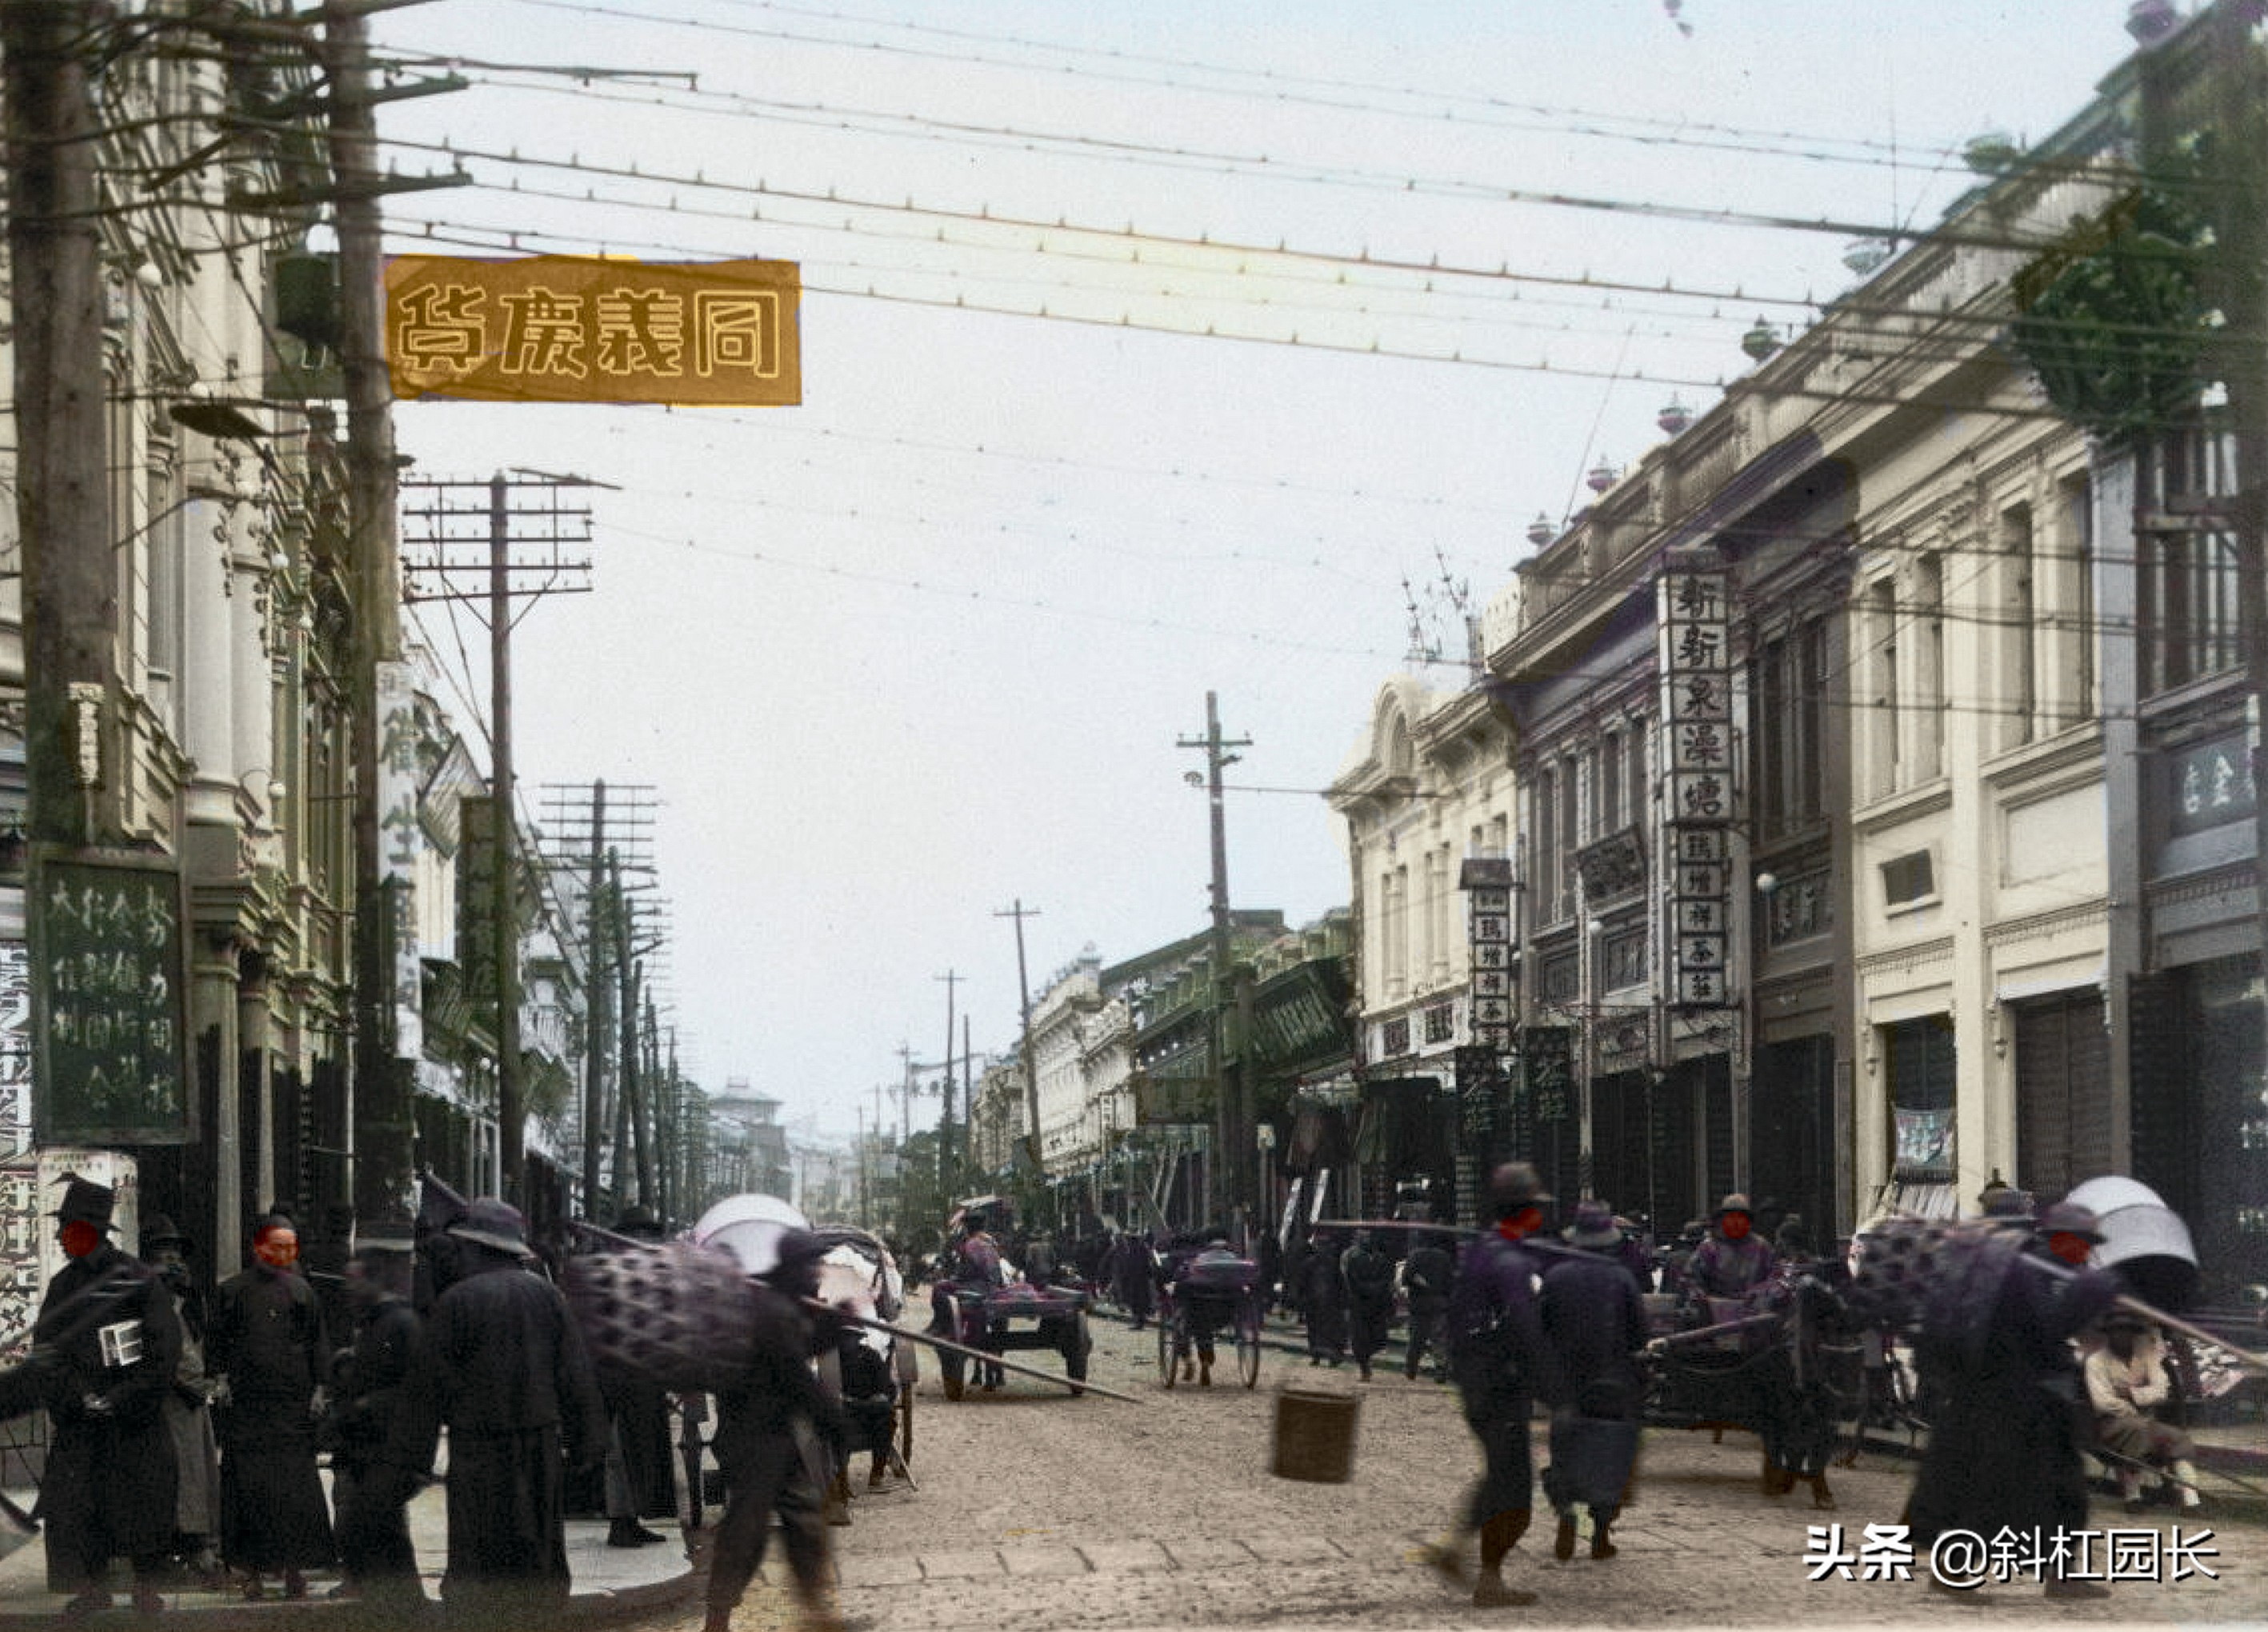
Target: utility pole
945,1180
1232,1124
383,1132
1020,912
560,525
594,1034
589,829
71,598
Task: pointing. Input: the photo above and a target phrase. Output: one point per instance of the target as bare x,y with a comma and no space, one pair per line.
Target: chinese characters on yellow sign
567,328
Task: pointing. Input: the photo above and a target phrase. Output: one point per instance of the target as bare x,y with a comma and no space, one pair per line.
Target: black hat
1736,1202
797,1247
84,1202
159,1230
1594,1227
2069,1218
1514,1185
493,1223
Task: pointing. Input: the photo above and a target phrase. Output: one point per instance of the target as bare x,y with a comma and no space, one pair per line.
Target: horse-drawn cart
1789,1370
1018,1315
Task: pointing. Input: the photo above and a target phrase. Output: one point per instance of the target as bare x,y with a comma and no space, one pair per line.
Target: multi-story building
1884,816
1429,787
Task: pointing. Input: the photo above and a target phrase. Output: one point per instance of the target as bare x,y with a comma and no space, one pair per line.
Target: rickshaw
1228,1281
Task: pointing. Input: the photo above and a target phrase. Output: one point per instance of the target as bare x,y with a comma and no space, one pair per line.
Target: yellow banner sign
570,328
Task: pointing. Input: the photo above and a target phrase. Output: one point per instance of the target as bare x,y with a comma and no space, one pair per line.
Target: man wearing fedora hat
1502,1366
108,1489
502,1366
1994,1350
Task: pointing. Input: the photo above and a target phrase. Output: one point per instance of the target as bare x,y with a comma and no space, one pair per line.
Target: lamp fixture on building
1602,476
1674,417
1540,530
1767,883
1760,342
1864,255
2149,21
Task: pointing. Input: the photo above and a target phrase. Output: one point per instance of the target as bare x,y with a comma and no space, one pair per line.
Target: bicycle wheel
1168,1366
1248,1347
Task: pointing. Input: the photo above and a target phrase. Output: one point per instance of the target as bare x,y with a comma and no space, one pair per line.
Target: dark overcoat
108,1490
266,1341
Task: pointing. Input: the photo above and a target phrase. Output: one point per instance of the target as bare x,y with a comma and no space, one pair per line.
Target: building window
1908,879
2074,670
1609,814
1560,980
1440,1022
1394,1037
1622,958
1547,848
1929,664
1883,712
1791,674
2188,604
2019,626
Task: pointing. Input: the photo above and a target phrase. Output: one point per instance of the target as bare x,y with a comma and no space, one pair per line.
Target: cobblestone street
1035,1509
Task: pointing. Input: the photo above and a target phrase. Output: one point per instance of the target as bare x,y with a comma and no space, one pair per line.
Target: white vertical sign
1697,711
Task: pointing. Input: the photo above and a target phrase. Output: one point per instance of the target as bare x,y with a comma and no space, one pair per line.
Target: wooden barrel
1315,1434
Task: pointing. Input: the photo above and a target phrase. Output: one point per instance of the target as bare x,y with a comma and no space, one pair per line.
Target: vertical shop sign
1696,710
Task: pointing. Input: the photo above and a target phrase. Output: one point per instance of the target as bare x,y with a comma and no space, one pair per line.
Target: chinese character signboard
1697,714
1487,883
568,328
401,839
108,1003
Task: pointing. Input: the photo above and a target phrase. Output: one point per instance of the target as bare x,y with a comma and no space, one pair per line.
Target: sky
1149,350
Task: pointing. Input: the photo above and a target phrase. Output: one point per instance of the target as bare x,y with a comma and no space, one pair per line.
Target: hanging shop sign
1487,883
1694,618
108,1008
570,328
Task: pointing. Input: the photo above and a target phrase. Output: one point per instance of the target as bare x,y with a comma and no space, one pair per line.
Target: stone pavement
609,1584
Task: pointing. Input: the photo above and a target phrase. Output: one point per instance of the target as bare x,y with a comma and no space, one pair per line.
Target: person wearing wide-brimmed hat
1596,1323
107,1325
1994,1351
1733,1261
503,1366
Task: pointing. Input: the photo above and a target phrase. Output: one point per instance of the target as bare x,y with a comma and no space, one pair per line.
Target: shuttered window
2063,1094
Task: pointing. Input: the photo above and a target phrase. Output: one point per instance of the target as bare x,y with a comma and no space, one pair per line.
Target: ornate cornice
2038,925
1906,959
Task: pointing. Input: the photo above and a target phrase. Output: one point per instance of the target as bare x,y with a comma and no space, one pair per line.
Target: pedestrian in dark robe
1368,1274
1592,1319
641,1475
268,1350
1133,1269
765,1469
1322,1301
1503,1365
1994,1352
375,1553
110,1347
189,1411
1427,1274
502,1366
